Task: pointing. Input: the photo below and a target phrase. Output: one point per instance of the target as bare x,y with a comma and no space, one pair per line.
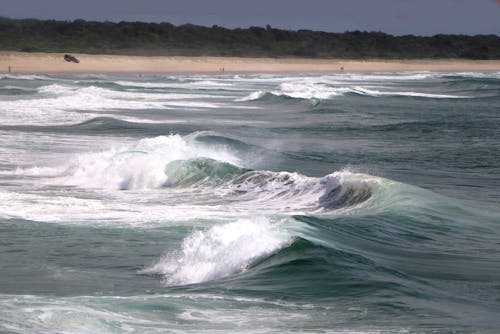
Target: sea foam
220,251
326,91
140,165
331,86
56,104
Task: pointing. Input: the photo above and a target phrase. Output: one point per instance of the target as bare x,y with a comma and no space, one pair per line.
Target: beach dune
18,62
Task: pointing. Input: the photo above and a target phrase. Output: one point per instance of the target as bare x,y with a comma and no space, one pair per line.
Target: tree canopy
139,38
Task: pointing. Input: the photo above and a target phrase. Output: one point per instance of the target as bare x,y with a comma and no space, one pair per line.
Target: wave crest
212,173
200,170
267,189
327,91
140,165
220,251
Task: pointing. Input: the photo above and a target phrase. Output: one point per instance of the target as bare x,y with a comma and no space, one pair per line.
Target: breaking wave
280,190
212,167
136,166
324,91
221,251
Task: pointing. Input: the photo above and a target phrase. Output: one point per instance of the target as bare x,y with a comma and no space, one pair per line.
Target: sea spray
137,166
221,251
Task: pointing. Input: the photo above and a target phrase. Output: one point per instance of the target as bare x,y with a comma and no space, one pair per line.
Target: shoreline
39,63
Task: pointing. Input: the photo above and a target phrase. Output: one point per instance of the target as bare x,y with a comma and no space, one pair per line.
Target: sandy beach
18,62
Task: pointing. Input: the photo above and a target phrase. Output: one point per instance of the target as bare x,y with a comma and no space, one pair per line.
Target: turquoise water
335,203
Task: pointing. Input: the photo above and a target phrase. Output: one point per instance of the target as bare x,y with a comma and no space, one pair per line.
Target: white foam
296,193
478,75
325,91
36,171
103,98
309,90
89,208
221,251
26,153
299,90
196,84
372,92
80,182
252,96
383,76
330,86
137,166
37,112
140,84
31,314
37,207
59,104
24,77
188,313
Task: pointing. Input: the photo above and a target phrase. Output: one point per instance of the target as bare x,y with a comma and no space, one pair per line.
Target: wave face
346,203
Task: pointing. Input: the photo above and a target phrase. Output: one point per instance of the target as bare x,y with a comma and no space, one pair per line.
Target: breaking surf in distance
259,203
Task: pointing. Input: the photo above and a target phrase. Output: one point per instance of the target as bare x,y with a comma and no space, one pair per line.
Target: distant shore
18,62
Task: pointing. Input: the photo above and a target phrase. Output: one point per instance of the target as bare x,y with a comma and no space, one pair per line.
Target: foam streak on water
318,203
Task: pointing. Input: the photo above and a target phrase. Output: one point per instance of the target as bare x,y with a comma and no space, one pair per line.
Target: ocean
250,203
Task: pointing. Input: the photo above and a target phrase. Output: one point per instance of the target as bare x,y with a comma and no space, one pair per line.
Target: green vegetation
140,38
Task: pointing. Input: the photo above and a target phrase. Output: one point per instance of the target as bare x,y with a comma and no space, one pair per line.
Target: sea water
256,203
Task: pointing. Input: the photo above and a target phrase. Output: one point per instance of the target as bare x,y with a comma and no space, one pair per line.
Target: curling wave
210,168
280,190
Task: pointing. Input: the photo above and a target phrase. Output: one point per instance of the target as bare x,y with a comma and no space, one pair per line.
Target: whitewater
250,203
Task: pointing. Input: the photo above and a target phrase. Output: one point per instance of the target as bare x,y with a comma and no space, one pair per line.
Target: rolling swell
401,257
105,125
484,87
15,90
111,125
406,253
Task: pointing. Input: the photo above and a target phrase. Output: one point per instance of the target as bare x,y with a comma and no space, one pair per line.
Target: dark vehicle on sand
71,59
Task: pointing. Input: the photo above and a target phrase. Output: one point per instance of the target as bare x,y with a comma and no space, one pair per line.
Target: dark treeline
31,35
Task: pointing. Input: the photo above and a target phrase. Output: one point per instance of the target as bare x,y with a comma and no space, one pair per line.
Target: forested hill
139,38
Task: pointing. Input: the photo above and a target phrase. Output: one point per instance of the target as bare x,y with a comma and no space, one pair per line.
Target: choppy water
342,203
